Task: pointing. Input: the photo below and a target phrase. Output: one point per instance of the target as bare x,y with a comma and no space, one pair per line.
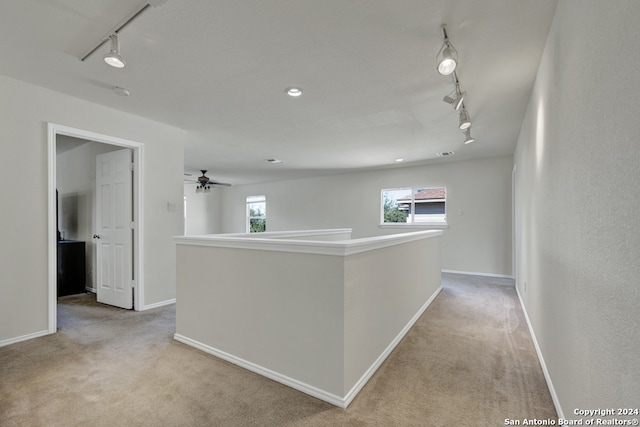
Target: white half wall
24,113
578,204
319,316
477,240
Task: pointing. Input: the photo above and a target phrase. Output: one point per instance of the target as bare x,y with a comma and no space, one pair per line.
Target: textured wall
578,205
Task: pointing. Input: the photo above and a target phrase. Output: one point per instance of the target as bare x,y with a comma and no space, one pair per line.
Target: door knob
96,236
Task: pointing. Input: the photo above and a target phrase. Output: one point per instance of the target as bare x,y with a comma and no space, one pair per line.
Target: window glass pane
396,205
256,214
257,225
257,209
419,205
429,204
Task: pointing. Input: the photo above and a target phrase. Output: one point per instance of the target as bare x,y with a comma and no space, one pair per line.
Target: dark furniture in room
72,272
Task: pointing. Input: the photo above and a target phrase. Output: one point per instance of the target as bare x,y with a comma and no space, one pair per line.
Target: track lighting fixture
468,139
455,98
447,57
113,58
465,121
446,63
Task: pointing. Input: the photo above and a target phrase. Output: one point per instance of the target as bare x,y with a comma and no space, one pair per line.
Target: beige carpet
468,361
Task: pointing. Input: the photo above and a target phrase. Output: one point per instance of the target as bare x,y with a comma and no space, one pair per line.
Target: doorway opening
60,136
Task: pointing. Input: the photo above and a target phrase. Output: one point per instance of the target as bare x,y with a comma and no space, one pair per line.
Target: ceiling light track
447,64
126,21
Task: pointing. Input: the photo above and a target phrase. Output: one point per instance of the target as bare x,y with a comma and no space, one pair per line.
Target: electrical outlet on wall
171,207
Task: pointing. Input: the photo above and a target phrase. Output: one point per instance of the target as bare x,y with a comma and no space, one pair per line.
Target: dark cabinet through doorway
72,272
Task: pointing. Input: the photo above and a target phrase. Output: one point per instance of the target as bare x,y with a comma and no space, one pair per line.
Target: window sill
427,226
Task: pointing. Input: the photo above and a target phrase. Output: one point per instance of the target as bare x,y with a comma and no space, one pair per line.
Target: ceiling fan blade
216,183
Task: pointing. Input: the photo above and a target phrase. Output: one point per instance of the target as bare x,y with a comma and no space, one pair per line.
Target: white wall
578,205
24,112
477,241
203,214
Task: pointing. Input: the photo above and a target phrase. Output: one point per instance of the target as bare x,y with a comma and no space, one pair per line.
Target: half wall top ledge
314,310
335,242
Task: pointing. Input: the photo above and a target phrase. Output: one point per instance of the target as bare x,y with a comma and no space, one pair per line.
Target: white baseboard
341,402
159,304
92,290
373,368
276,376
473,273
547,377
23,338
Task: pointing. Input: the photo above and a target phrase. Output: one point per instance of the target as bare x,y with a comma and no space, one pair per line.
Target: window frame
422,224
250,200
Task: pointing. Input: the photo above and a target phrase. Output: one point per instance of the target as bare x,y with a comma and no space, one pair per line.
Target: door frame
515,231
138,212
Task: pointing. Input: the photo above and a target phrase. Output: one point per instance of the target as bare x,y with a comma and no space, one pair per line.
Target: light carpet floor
468,361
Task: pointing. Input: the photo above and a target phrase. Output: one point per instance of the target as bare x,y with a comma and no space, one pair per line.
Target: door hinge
132,166
132,225
133,283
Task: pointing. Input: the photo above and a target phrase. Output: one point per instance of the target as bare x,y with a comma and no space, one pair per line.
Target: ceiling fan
205,184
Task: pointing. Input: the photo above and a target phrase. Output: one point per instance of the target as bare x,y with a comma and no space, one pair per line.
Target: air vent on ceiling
446,154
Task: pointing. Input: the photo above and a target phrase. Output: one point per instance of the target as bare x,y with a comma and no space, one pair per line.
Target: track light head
468,139
455,98
465,121
458,101
447,57
447,60
113,57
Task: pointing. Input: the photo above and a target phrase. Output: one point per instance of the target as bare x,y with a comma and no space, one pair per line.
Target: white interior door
114,237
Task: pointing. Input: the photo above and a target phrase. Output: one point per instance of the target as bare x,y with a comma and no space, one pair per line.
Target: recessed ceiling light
274,161
399,160
446,154
294,91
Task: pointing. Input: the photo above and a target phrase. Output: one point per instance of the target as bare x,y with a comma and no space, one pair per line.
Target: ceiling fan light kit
447,64
205,183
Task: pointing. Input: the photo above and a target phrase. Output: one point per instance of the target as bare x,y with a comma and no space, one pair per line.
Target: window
418,206
256,214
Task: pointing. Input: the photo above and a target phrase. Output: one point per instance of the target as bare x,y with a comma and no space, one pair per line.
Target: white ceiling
219,69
